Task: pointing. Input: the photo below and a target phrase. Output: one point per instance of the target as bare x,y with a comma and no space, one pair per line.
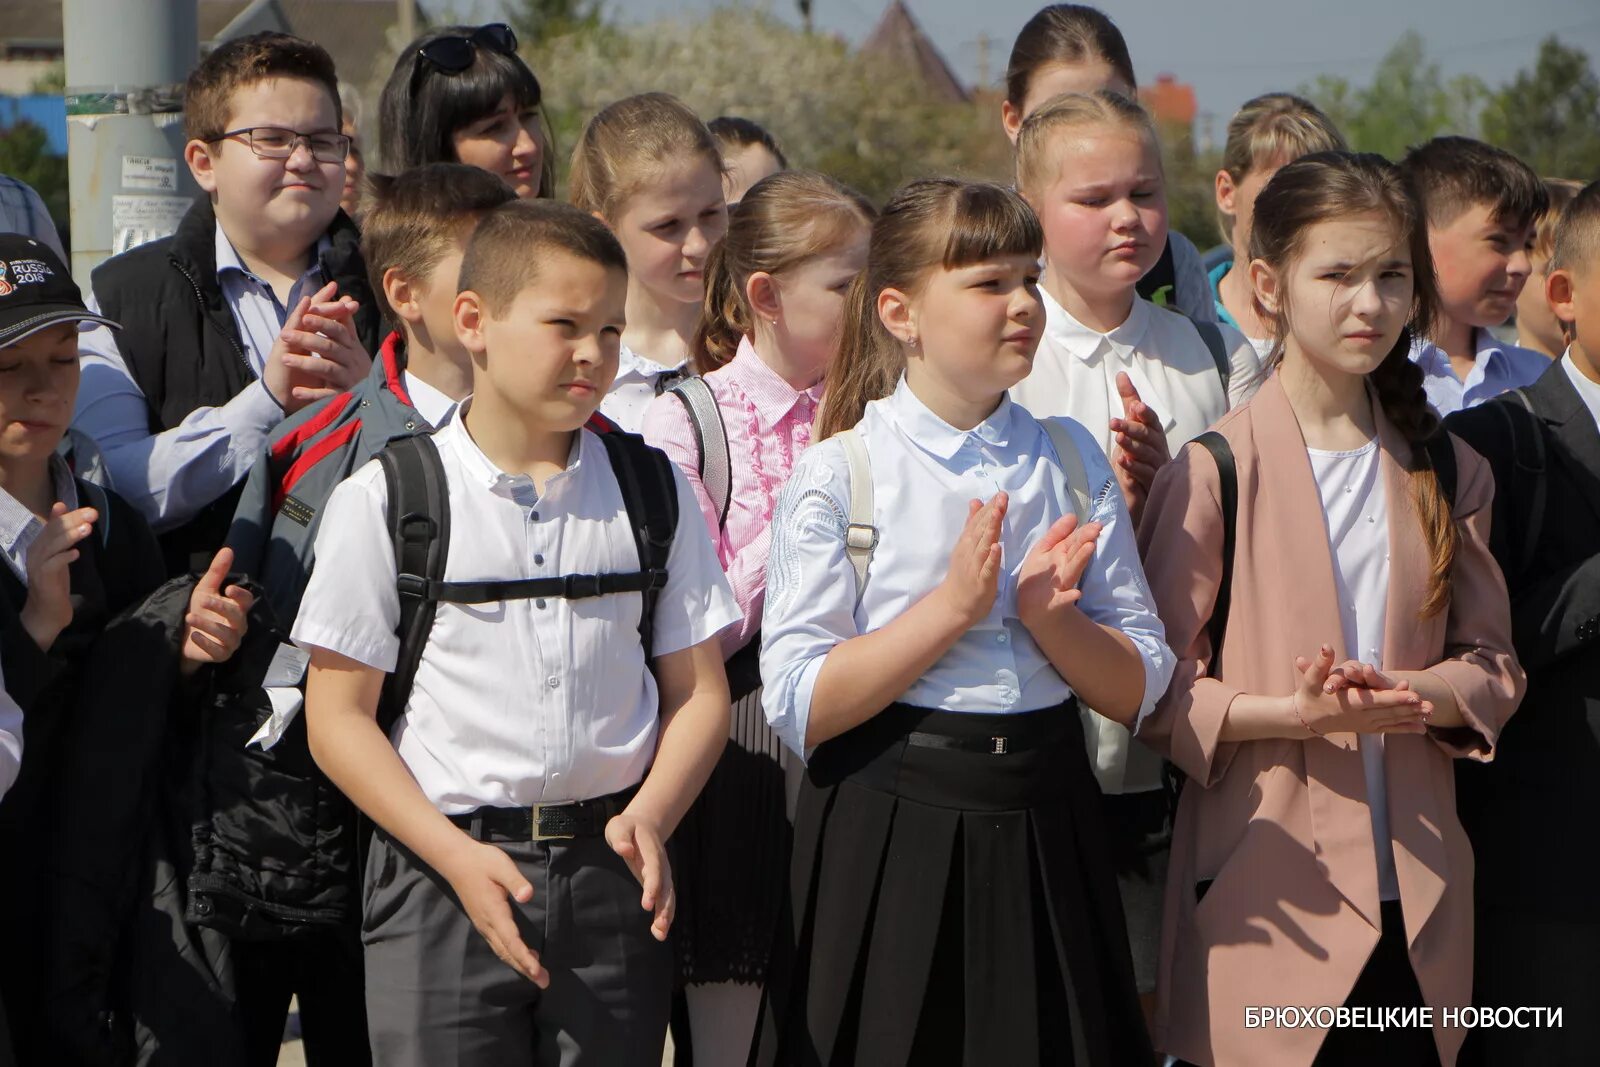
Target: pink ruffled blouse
769,425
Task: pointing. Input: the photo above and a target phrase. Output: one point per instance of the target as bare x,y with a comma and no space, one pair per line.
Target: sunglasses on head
455,53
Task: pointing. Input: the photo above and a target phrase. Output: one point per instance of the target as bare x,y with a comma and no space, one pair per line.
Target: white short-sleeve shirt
523,701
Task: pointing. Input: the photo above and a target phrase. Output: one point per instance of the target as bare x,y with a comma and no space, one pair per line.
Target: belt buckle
538,813
999,748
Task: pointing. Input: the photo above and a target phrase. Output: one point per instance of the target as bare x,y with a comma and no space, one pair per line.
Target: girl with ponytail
768,329
1343,633
952,899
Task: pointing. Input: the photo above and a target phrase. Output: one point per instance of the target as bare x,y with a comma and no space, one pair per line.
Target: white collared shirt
1357,514
924,472
1075,372
526,701
639,380
171,476
1497,368
1588,391
20,527
434,406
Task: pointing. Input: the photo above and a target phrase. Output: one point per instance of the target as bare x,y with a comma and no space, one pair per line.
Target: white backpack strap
860,536
1071,461
716,465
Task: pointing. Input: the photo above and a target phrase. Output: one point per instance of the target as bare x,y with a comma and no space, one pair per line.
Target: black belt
545,822
997,744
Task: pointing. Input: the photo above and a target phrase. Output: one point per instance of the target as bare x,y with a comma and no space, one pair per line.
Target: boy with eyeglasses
256,306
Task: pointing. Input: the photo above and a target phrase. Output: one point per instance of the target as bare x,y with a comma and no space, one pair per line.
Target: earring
912,340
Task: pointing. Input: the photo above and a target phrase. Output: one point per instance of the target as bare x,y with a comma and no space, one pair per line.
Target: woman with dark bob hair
461,94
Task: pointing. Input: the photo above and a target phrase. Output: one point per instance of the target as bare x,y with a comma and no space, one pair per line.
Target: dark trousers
325,972
1387,981
437,994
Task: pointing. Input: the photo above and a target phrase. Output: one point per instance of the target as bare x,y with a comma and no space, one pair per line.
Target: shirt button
553,682
1002,637
538,560
533,517
540,603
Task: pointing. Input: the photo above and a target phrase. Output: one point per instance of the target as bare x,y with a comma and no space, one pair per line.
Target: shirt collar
772,397
935,436
228,258
1432,358
1588,391
633,367
1086,343
18,525
481,470
434,406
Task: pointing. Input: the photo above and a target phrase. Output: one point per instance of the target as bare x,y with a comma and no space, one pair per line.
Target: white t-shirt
525,701
1357,511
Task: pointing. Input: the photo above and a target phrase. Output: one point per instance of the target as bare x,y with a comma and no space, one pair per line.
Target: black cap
36,290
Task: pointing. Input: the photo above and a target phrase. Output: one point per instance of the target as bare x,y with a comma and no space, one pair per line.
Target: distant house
355,33
899,39
1170,101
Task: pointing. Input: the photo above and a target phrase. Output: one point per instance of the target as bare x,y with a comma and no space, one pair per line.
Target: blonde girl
948,576
648,167
769,327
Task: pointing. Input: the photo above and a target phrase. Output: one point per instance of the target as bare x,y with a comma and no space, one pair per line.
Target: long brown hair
784,220
627,144
1065,33
928,224
1327,186
1273,127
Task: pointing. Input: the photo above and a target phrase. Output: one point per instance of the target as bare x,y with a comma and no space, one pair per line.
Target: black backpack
419,526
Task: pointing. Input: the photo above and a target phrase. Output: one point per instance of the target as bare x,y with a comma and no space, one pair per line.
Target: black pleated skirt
952,907
730,854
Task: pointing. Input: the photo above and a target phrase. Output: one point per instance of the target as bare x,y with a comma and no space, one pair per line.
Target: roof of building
899,37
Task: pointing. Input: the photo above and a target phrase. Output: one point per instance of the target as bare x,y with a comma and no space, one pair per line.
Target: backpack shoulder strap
860,536
1228,475
650,495
1441,452
1071,461
419,527
1211,334
711,435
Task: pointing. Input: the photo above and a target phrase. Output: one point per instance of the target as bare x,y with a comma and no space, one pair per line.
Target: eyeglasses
455,54
275,142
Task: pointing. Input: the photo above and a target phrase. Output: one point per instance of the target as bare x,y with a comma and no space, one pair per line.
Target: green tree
25,155
53,81
1550,116
1408,102
537,21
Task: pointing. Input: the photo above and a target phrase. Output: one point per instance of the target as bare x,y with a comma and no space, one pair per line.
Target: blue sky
1229,50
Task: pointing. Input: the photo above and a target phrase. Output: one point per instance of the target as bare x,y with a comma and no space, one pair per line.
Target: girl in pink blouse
774,301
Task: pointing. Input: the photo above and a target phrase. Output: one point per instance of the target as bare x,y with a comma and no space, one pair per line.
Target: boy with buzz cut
568,699
1481,203
256,306
1531,813
277,867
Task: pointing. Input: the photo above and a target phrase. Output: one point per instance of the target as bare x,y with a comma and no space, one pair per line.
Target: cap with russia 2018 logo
37,291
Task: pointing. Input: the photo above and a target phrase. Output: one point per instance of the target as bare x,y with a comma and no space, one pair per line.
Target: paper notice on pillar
156,174
137,220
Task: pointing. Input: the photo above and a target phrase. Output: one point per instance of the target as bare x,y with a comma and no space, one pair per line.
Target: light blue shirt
924,471
171,476
22,211
1498,367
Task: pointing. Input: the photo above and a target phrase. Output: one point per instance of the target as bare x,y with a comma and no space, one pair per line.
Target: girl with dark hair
951,898
462,95
1361,643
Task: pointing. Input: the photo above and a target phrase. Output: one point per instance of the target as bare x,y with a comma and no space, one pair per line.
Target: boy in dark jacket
257,305
277,868
74,556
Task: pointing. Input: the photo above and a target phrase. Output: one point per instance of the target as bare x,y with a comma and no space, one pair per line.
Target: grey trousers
438,996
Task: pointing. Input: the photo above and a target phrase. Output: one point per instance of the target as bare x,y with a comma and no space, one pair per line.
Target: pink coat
1282,826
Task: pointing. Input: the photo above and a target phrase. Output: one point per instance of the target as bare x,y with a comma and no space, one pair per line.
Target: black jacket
183,347
1534,813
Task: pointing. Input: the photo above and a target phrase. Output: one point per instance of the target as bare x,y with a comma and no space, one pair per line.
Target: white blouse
1357,512
639,380
1075,375
924,471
